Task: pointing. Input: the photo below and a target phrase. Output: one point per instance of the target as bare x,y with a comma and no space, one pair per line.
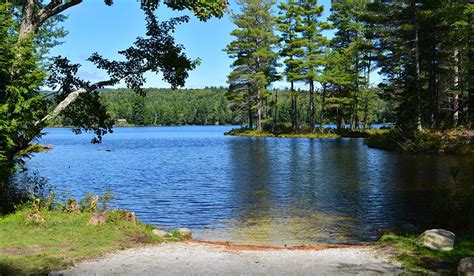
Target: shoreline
229,245
429,142
317,134
204,259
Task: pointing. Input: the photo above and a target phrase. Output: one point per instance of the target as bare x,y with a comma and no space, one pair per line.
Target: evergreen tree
26,35
351,38
312,44
254,67
334,79
288,22
423,52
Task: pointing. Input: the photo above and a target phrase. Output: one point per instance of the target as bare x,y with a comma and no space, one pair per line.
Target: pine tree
353,38
254,67
312,43
334,78
423,53
288,22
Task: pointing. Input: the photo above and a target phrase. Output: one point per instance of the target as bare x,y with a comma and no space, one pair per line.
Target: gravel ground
204,259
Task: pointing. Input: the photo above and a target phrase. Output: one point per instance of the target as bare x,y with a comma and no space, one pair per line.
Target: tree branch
56,7
72,97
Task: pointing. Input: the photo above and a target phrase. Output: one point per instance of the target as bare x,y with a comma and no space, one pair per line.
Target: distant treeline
162,106
207,106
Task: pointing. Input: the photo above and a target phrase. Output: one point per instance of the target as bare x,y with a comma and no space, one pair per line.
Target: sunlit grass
419,259
63,239
306,133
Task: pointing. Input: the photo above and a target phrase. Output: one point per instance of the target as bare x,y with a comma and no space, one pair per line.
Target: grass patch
419,259
27,247
305,133
455,141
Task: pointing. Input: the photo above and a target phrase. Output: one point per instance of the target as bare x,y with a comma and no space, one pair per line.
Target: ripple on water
265,191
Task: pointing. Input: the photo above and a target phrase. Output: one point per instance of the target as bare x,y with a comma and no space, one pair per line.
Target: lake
253,190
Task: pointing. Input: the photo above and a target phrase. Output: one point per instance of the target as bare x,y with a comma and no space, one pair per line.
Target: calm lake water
252,190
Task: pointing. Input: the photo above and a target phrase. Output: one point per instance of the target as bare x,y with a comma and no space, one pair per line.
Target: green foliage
288,24
255,61
206,106
90,203
285,132
28,30
49,235
209,106
450,142
418,259
423,53
20,101
202,9
351,61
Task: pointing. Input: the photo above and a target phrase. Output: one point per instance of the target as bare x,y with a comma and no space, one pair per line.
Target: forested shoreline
409,63
422,51
206,106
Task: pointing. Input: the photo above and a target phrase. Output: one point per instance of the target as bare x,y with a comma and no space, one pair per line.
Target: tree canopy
27,31
422,51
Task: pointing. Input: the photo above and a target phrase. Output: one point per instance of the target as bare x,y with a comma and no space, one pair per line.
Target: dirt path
204,259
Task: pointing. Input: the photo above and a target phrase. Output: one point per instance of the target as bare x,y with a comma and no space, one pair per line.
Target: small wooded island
395,75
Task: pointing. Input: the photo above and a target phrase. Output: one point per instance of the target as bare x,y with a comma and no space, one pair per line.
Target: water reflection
257,190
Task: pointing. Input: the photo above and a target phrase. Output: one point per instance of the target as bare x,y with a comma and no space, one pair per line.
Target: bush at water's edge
459,142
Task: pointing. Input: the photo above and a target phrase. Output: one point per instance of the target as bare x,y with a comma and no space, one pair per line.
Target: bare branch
72,97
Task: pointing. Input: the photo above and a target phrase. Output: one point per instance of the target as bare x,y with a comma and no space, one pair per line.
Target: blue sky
94,27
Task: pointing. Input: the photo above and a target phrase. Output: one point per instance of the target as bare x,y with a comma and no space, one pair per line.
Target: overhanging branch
72,97
55,7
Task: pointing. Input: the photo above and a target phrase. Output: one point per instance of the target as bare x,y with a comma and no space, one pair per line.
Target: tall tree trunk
417,64
33,15
355,108
249,110
259,111
366,113
456,89
275,111
323,103
434,83
367,98
311,105
470,80
29,20
340,119
294,108
6,170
